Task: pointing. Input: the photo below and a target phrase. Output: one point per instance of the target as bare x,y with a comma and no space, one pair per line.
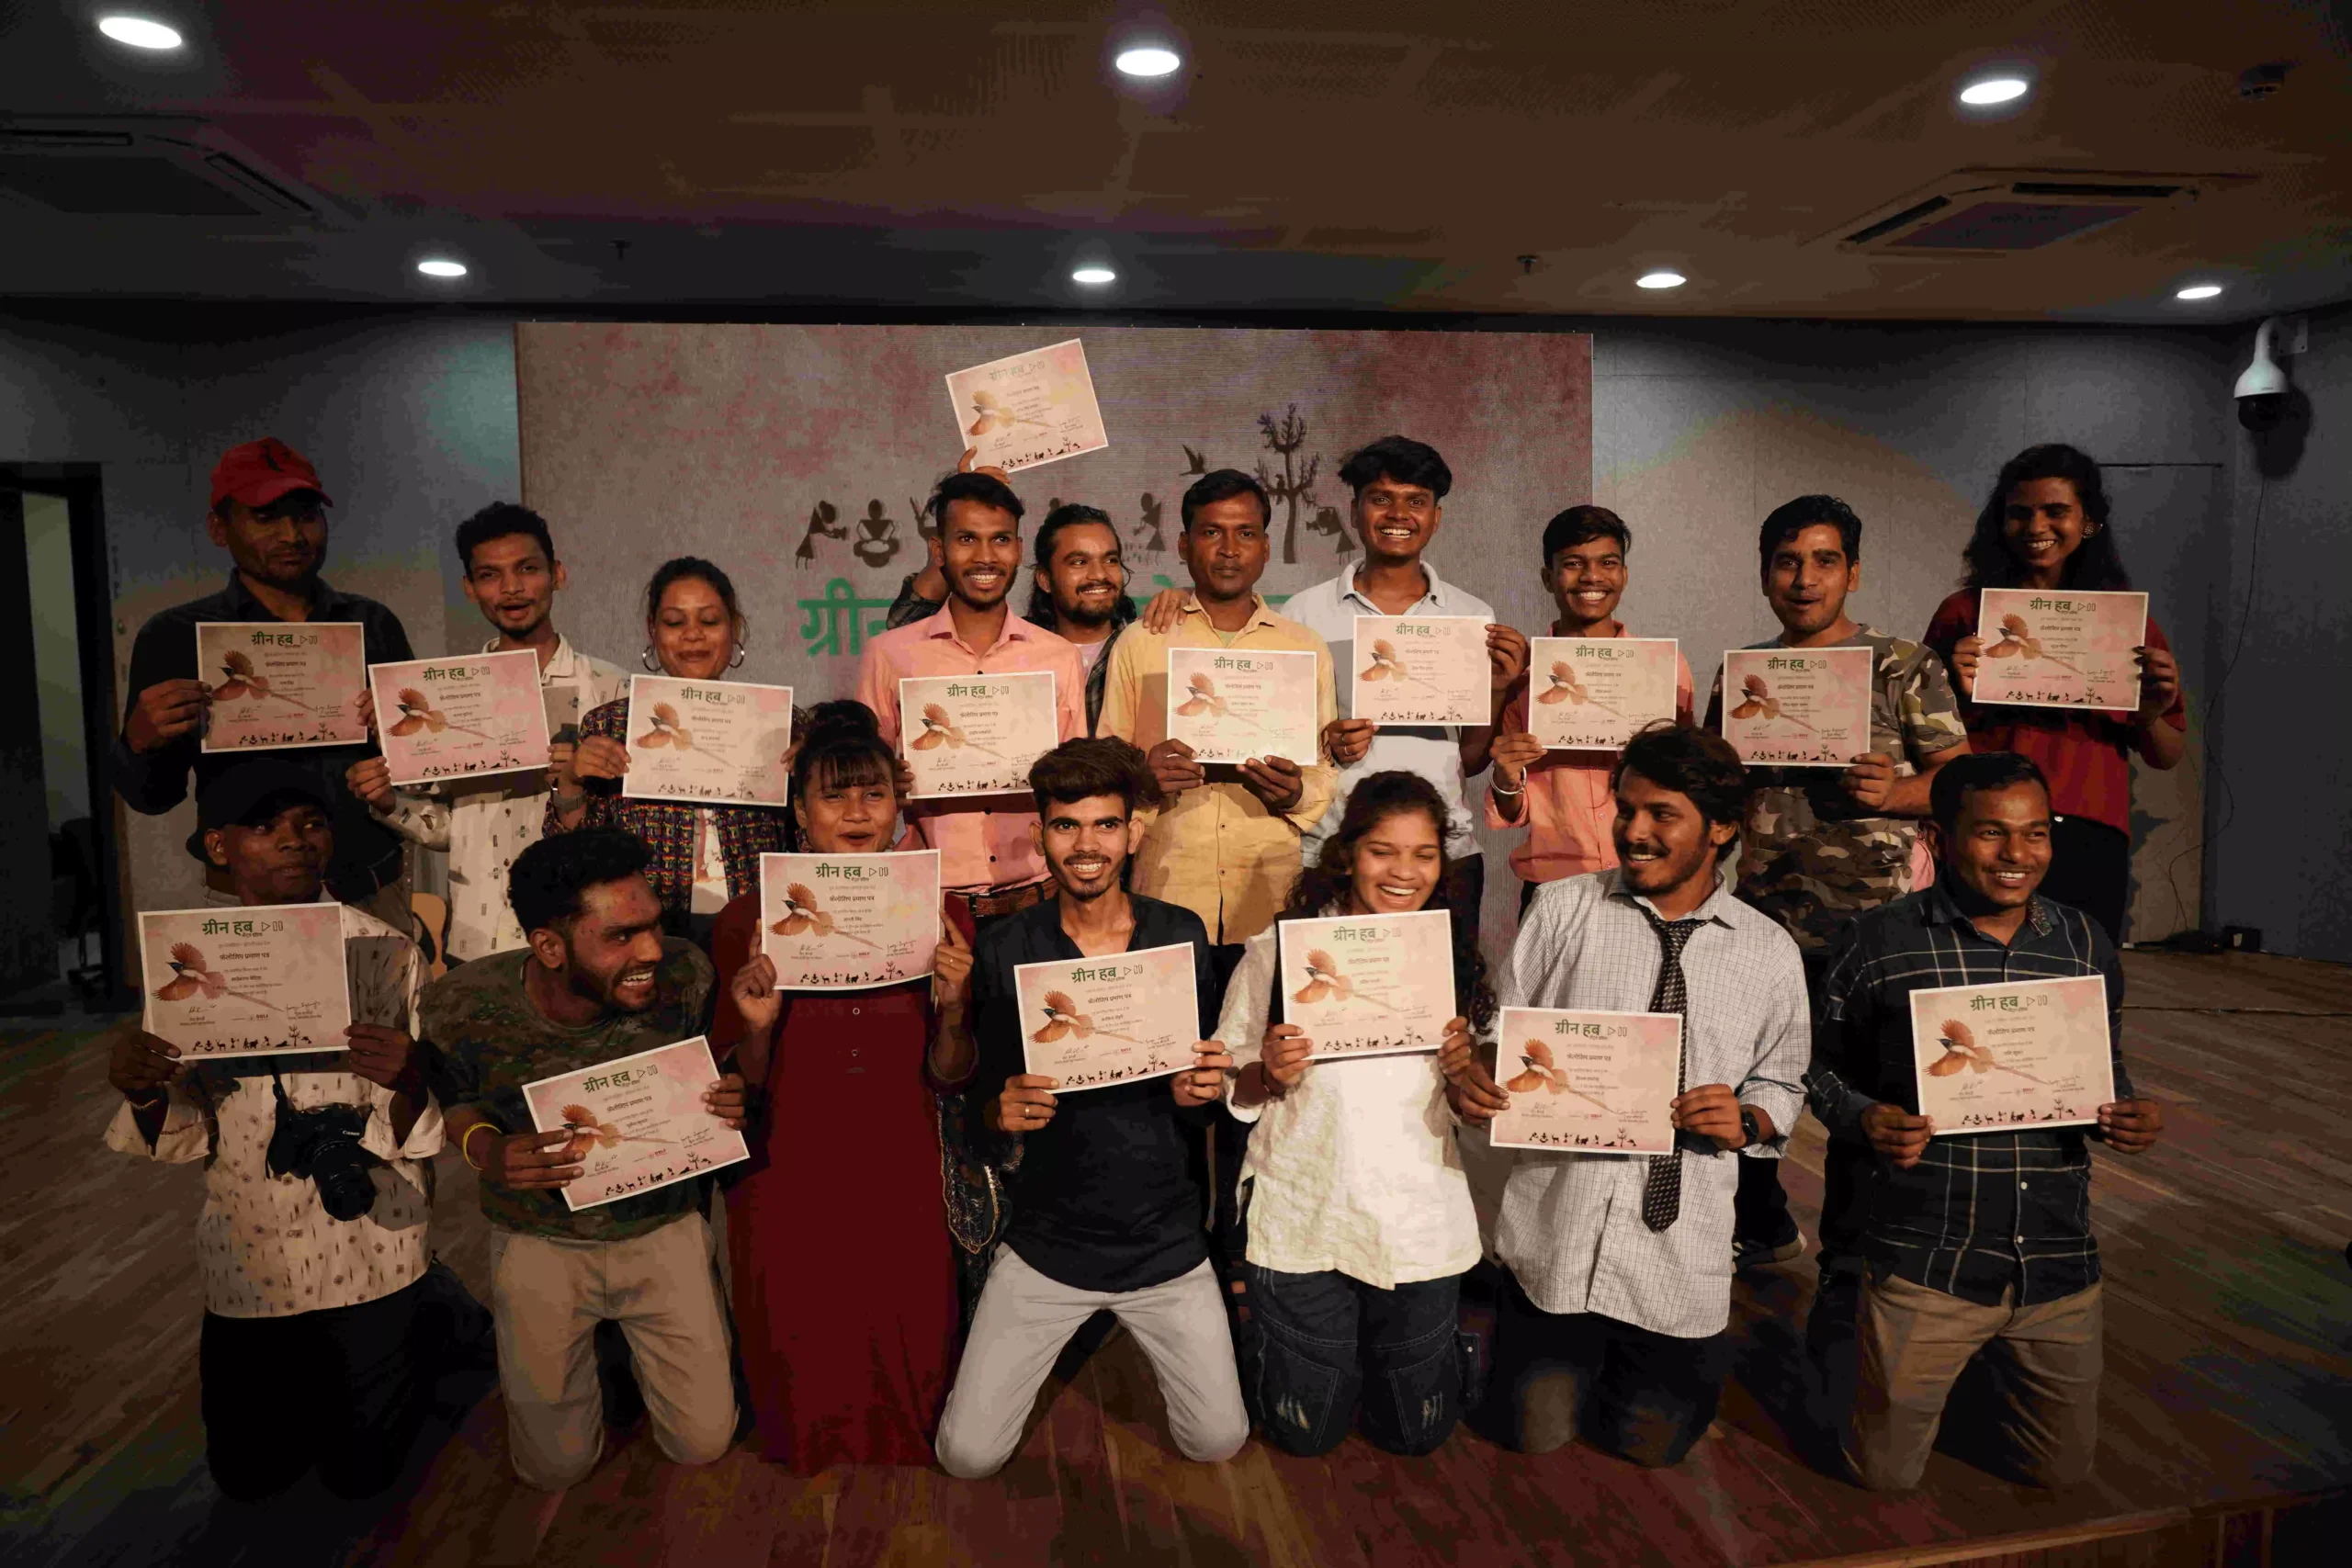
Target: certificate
976,734
1091,1022
1027,408
1595,692
1369,985
1787,708
280,683
1592,1082
2052,649
849,922
709,741
636,1123
1232,707
2034,1053
1422,670
261,981
453,718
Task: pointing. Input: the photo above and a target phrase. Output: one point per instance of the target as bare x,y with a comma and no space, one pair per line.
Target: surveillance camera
2261,391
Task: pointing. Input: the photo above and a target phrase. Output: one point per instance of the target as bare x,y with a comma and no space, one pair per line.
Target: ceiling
1321,155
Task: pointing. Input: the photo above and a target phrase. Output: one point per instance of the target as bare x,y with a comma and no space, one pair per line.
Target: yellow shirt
1216,849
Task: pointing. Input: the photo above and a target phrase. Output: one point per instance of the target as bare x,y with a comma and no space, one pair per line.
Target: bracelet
1499,789
464,1149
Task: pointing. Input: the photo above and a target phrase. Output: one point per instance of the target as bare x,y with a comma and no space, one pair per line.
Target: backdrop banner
797,458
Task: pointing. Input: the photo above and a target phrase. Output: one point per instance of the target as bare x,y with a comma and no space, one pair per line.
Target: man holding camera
318,1182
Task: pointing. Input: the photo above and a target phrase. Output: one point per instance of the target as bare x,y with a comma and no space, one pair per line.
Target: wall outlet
2242,939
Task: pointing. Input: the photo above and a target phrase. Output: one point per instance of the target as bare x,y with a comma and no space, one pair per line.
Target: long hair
2095,567
1069,514
1330,879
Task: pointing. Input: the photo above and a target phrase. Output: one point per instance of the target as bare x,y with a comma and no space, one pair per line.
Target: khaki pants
2035,1404
662,1289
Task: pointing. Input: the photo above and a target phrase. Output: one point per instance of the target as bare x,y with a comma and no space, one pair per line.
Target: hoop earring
741,652
647,660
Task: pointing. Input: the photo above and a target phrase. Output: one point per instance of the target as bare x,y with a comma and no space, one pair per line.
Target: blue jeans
1320,1348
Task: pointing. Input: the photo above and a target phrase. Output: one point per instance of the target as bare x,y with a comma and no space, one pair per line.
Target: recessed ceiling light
2198,291
441,266
1993,90
1662,278
1094,275
1147,60
140,33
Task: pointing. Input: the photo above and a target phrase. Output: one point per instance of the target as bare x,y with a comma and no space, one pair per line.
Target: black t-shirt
1106,1198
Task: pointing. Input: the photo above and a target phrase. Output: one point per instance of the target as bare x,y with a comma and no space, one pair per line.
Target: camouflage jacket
1809,856
488,1039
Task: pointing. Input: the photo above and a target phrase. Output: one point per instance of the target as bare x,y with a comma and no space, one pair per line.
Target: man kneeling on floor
1983,1281
598,980
1106,1207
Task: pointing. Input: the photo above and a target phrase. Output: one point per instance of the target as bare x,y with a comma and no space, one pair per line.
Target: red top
2085,752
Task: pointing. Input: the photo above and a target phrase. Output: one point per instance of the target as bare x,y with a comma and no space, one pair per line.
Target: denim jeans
1629,1391
1321,1347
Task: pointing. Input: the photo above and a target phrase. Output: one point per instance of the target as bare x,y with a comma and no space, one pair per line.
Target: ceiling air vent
1998,212
141,168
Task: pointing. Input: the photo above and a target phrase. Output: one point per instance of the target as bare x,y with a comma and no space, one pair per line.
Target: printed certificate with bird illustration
281,683
259,981
1599,1083
1091,1022
849,922
2032,1053
1798,707
1422,670
976,734
1233,707
713,742
1027,408
454,719
636,1123
1369,985
2056,649
1595,693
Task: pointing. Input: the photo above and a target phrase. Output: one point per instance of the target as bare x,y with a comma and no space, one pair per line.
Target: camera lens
339,1165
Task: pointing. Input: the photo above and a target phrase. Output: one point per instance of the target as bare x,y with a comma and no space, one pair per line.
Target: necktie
1662,1187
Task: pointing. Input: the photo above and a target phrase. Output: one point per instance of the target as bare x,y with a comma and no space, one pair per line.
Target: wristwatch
1747,1127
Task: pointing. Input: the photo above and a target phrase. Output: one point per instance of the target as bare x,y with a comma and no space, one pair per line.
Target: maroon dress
844,1278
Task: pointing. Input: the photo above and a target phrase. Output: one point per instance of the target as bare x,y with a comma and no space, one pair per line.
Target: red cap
260,471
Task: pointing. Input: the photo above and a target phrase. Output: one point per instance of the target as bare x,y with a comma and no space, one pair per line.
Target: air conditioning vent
1998,212
158,167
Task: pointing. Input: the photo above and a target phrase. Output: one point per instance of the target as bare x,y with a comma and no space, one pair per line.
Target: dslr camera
323,1145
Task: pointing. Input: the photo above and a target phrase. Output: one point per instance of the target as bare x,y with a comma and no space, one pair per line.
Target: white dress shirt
264,1245
1355,1169
1433,751
485,822
1570,1228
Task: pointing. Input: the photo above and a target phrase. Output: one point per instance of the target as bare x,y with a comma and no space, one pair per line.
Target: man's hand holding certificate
976,734
245,981
1588,1082
708,741
275,684
1995,1059
1234,706
1797,707
638,1122
1595,693
1091,1022
453,718
1369,985
849,922
1417,669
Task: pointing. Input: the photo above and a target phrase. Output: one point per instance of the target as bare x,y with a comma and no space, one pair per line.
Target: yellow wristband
464,1143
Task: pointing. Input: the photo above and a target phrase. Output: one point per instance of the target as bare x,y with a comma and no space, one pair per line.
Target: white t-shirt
710,866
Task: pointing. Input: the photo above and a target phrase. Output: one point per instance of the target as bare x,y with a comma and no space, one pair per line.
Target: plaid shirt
667,827
1981,1212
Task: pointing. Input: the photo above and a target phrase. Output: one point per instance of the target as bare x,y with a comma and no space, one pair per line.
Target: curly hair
2096,566
1081,769
1330,880
1689,761
549,878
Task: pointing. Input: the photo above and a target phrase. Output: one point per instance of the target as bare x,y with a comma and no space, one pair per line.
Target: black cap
231,797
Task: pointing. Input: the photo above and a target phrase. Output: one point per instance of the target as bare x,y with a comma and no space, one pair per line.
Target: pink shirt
978,847
1569,809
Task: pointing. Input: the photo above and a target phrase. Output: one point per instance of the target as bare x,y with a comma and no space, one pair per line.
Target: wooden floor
2229,1386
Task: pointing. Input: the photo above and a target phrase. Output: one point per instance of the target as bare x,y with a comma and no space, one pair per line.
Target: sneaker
1746,1255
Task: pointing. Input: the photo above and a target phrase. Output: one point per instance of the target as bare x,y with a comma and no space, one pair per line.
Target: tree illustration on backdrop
1297,485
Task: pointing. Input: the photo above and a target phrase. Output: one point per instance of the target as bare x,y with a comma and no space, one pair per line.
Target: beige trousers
662,1289
2040,1382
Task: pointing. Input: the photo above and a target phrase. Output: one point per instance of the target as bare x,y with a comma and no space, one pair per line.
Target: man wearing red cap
269,512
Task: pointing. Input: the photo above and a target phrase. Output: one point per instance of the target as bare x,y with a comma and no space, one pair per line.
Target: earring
742,651
647,660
